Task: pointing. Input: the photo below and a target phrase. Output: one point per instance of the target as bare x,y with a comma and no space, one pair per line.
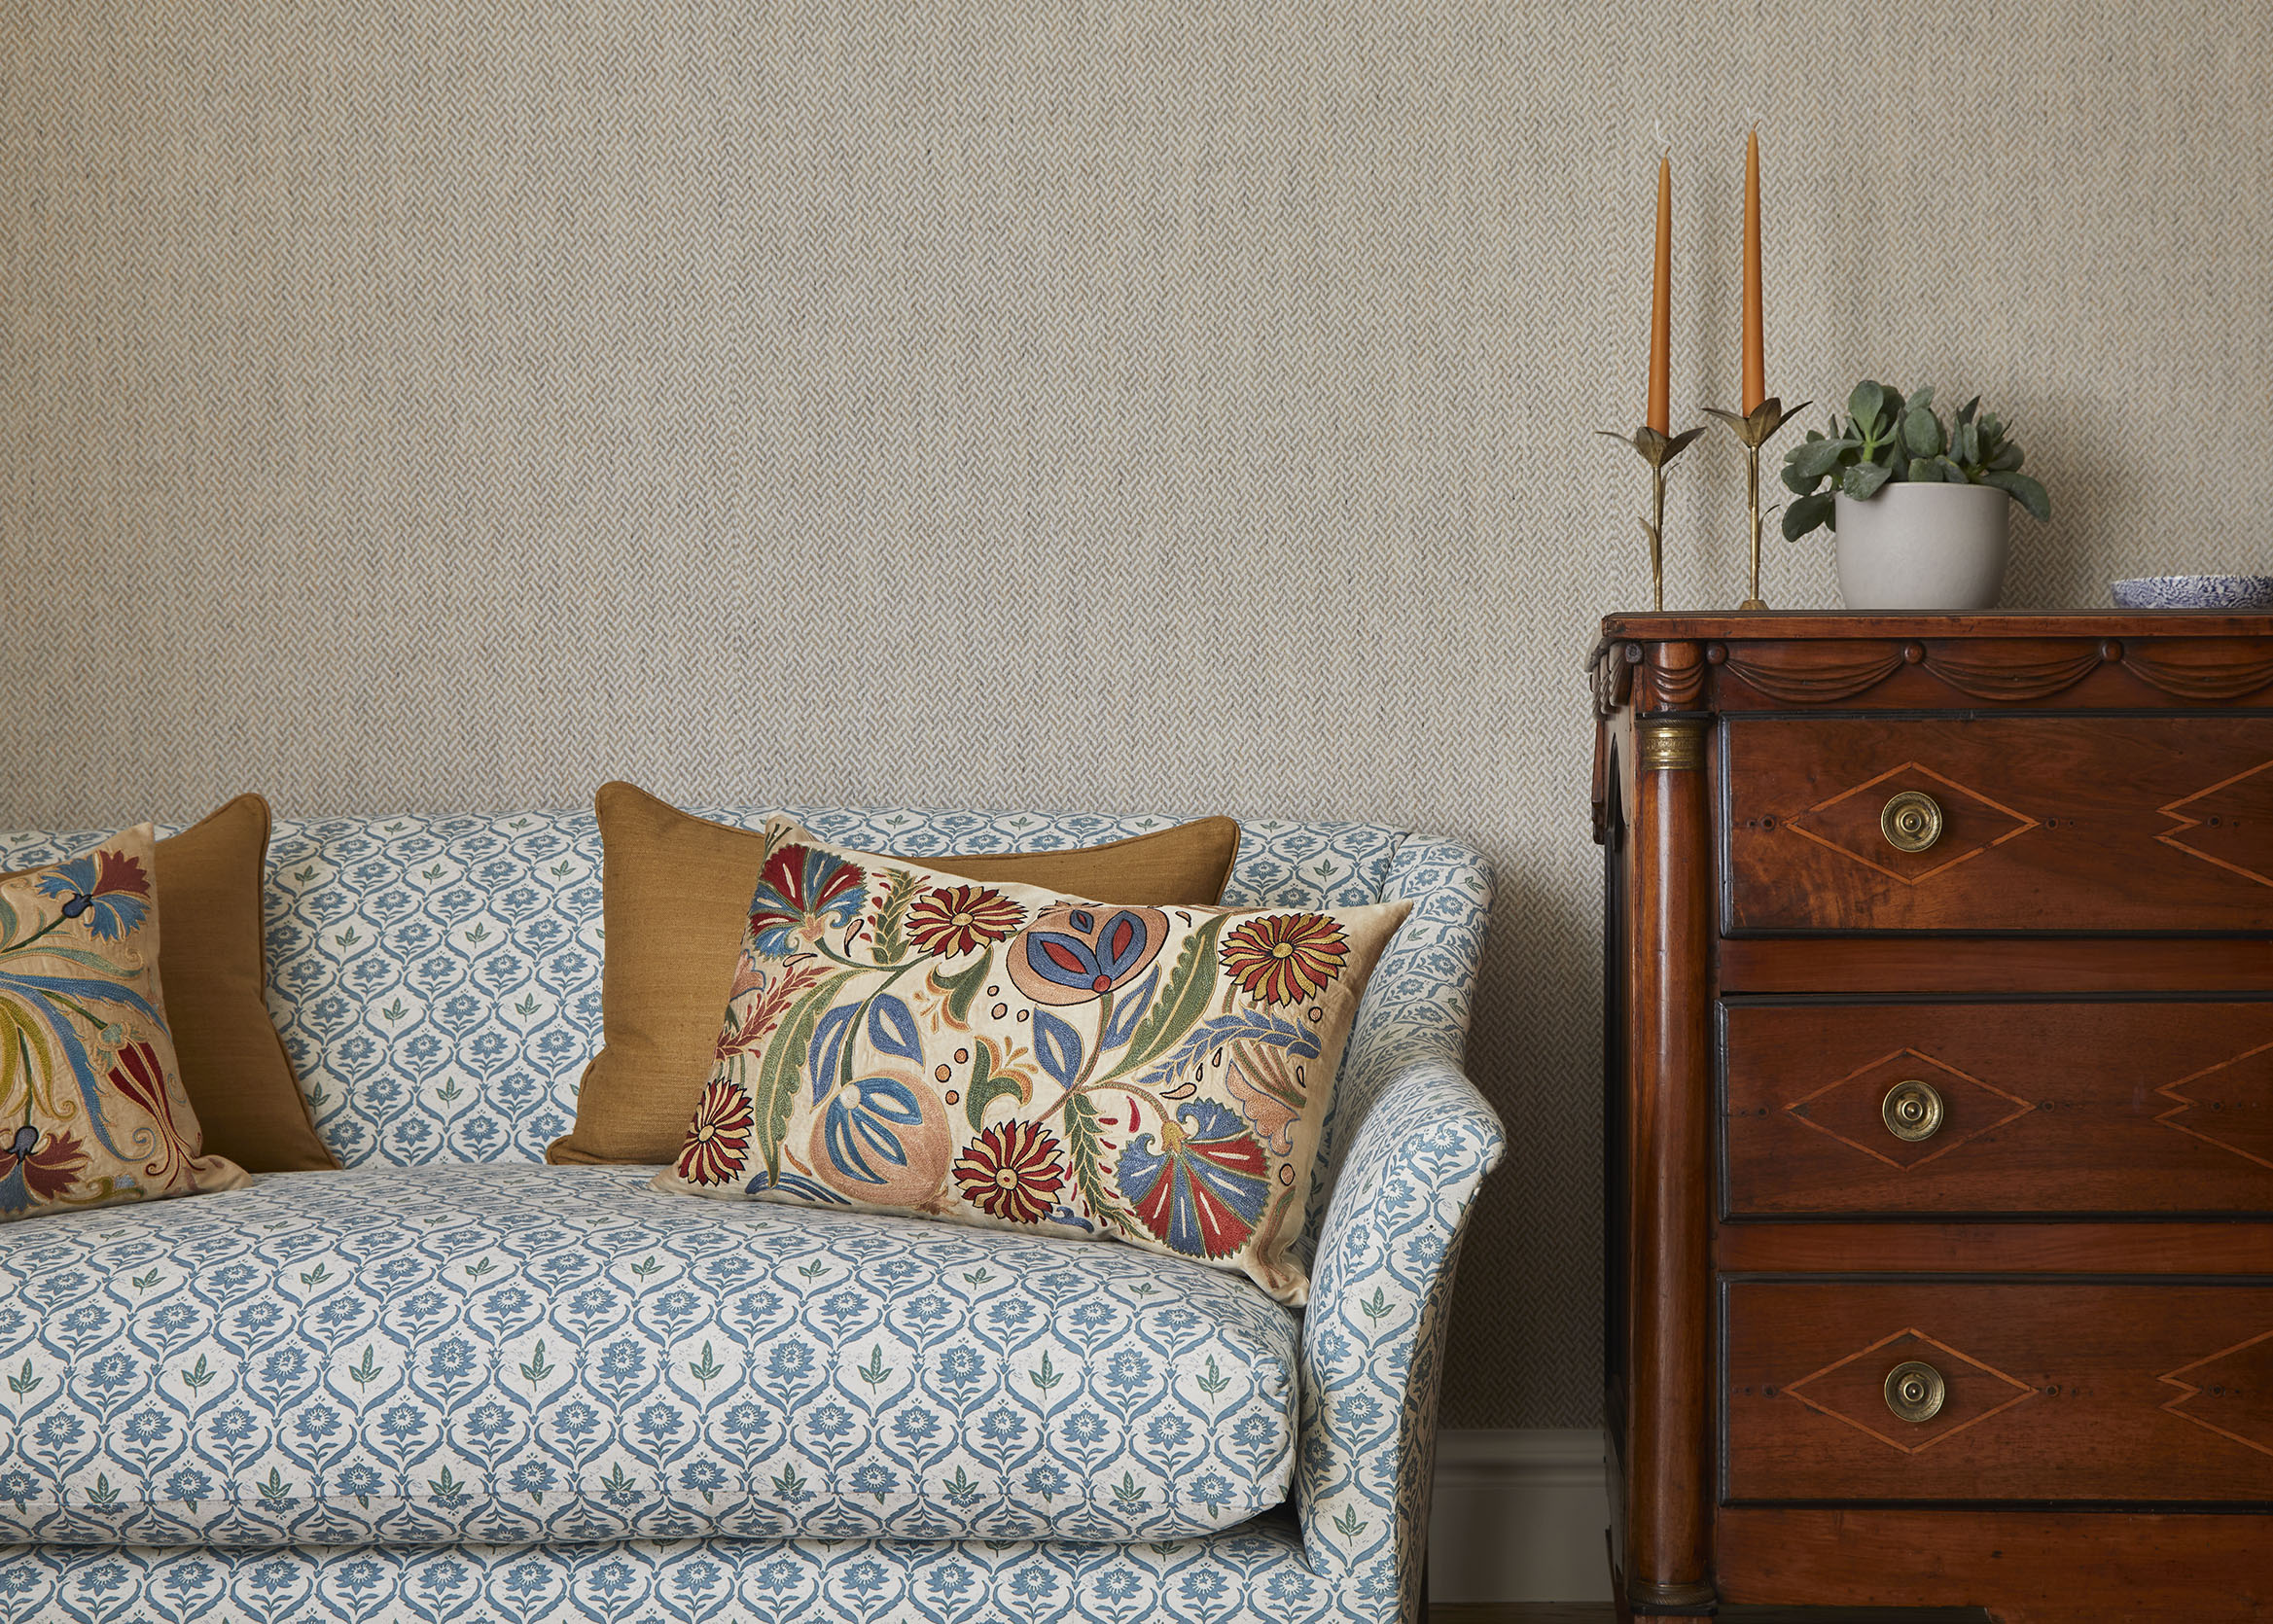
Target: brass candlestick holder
1657,450
1756,428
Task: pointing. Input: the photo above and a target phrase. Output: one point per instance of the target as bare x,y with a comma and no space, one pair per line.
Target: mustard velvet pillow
899,1038
214,967
92,1111
675,900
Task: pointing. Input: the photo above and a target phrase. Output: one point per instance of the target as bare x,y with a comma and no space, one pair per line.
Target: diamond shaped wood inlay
1854,1391
2230,824
2230,1392
1848,824
2228,1105
1848,1110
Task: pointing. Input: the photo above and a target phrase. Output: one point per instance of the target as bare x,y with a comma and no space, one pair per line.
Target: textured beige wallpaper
433,404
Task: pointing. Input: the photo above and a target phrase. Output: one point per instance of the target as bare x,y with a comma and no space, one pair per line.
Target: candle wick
1661,145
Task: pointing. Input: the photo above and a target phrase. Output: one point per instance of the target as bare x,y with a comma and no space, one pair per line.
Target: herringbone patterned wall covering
450,404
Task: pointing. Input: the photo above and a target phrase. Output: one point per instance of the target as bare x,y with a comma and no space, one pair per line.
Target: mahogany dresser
1939,1040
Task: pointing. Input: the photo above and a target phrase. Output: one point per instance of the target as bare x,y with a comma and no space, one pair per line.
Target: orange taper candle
1756,372
1660,416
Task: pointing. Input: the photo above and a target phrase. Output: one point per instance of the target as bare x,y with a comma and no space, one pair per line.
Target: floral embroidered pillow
91,1107
903,1040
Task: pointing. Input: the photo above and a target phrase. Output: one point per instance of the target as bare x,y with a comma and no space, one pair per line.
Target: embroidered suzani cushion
92,1106
900,1040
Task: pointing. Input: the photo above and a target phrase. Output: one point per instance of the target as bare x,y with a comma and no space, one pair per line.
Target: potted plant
1917,506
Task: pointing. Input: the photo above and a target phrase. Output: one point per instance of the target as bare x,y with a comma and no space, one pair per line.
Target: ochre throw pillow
904,1040
214,968
92,1106
675,900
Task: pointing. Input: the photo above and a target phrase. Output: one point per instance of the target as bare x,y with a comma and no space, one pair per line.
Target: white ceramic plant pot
1923,546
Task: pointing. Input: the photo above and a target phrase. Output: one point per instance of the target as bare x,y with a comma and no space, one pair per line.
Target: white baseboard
1519,1517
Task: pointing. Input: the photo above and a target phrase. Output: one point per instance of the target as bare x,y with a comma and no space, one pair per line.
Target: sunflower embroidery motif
952,921
718,1139
1011,1171
1284,957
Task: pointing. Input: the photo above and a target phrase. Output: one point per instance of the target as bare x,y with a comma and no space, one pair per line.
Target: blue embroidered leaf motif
1125,1018
854,1132
892,1029
1058,1046
794,1184
827,1056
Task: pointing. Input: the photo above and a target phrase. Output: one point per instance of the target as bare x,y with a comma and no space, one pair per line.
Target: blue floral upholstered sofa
450,1383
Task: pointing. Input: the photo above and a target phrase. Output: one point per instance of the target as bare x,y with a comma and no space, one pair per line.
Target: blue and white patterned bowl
2196,591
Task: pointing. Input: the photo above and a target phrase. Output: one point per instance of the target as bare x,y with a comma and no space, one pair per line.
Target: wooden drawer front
2051,1393
2049,824
2046,1108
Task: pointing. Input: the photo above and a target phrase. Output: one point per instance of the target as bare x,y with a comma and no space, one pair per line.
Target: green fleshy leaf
1807,513
1862,480
1817,458
1921,431
1867,402
2028,492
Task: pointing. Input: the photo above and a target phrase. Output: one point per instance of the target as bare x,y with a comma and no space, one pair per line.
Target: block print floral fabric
91,1107
903,1040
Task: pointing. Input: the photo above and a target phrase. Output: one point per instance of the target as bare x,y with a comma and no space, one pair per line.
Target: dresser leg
1668,1558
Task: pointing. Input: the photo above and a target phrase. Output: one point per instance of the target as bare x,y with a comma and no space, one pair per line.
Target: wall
423,406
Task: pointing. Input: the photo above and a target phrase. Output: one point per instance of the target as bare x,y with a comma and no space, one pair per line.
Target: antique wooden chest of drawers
1940,1125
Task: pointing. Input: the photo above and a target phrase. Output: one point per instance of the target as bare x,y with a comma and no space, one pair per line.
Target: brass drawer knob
1912,1111
1911,821
1914,1391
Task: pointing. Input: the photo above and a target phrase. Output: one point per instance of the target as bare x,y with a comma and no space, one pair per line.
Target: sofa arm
1373,1337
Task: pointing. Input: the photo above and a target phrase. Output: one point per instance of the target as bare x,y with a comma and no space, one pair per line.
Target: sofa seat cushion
510,1353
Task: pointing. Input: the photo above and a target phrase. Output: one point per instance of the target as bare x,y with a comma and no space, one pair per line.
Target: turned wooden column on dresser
1939,1039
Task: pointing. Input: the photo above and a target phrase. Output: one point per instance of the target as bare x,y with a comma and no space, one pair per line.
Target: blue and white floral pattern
619,1535
515,1354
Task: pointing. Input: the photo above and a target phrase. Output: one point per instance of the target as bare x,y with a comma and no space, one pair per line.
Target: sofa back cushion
437,979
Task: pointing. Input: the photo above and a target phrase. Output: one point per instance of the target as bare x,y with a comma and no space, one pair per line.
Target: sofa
452,1383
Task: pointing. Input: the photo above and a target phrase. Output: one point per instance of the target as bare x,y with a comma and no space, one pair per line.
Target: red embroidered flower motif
1284,957
951,922
718,1139
802,893
1011,1172
110,888
31,1172
1203,1191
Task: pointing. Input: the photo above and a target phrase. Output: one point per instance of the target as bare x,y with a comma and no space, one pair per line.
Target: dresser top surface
1732,624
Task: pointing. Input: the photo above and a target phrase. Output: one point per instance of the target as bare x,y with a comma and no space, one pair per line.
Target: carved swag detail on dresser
1938,993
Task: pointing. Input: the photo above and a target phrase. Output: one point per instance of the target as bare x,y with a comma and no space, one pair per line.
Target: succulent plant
1887,438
